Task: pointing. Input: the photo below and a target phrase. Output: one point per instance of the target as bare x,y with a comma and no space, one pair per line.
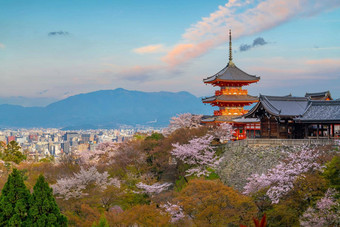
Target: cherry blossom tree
154,188
199,154
93,157
186,120
224,132
280,179
175,211
74,186
325,213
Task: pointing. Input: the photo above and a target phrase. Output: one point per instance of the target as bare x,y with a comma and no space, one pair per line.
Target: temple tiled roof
319,95
281,106
321,112
231,98
231,73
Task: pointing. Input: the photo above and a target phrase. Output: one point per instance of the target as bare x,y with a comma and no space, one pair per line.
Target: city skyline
55,49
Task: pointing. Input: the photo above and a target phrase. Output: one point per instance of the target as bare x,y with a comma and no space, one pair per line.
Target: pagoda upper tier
231,76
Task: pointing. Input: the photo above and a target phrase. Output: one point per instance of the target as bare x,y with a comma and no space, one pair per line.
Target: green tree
12,153
44,210
211,203
2,148
14,201
102,223
332,173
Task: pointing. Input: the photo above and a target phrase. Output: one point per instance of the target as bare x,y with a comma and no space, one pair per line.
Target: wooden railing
230,112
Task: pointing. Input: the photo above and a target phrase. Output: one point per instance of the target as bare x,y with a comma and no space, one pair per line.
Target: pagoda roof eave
244,82
231,73
231,98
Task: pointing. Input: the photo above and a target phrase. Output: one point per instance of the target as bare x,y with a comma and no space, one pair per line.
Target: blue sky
57,48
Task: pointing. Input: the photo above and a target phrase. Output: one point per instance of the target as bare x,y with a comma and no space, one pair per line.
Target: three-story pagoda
231,97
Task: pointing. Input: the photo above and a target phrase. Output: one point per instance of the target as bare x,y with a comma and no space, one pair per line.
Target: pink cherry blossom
280,179
154,188
175,211
74,186
199,154
325,213
186,120
224,132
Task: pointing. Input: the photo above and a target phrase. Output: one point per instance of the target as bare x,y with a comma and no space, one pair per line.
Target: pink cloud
2,46
211,31
184,52
244,17
324,62
150,49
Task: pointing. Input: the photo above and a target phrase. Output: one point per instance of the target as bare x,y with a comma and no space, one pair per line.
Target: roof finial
230,49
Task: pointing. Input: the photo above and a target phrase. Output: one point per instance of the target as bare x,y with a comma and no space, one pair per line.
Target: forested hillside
184,177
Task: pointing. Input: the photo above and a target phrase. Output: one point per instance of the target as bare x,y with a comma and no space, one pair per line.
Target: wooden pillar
317,131
329,131
333,131
306,131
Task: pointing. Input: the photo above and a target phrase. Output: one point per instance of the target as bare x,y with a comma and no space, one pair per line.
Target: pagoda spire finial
230,50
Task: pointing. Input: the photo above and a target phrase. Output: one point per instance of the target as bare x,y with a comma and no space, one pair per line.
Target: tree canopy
44,210
12,153
14,200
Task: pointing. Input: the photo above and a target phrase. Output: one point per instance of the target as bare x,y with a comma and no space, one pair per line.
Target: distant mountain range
27,101
104,109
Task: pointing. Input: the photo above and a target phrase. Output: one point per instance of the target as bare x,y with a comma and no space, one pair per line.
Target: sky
50,50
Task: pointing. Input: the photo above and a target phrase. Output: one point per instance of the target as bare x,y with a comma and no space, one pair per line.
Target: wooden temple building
284,117
287,117
231,97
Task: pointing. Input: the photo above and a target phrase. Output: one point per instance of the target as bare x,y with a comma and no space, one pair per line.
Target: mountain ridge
104,108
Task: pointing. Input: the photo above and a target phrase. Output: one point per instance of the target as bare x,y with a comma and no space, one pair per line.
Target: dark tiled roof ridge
284,98
233,65
324,102
321,111
221,72
322,93
267,102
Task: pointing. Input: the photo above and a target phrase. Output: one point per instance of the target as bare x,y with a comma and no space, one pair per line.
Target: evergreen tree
14,201
12,153
44,210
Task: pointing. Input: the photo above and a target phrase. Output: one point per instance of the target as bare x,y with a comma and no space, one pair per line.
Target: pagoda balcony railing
231,112
231,91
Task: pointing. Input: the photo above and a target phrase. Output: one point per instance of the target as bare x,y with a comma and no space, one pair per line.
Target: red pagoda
231,97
